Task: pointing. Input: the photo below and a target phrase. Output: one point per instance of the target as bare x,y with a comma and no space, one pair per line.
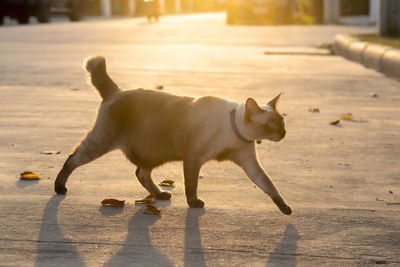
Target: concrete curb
379,57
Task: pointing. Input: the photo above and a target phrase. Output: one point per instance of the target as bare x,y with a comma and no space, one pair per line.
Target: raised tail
96,67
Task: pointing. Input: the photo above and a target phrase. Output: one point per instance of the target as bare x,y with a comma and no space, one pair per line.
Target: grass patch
393,41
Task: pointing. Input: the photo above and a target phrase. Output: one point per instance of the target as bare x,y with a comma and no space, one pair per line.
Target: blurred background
384,13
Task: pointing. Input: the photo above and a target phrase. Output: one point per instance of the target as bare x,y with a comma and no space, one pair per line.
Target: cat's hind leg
91,148
144,177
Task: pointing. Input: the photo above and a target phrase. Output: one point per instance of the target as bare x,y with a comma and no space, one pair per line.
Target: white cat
153,128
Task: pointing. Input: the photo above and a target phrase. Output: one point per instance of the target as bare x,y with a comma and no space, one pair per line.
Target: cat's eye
271,124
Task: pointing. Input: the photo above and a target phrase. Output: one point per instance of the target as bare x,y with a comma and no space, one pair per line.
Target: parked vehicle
21,10
258,11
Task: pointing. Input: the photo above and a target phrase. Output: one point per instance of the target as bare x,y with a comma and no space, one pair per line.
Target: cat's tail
96,67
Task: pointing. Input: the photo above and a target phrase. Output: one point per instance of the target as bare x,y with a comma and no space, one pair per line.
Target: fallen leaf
111,202
374,95
152,210
379,261
30,176
392,203
348,116
313,110
50,152
334,122
148,200
167,183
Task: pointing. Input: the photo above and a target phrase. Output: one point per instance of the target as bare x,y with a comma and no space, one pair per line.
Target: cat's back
211,110
144,104
149,98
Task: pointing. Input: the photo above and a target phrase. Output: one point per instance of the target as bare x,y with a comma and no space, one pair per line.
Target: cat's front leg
248,161
191,170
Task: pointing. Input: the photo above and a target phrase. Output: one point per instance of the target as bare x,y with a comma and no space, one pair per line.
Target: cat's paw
163,195
198,203
60,189
283,207
286,210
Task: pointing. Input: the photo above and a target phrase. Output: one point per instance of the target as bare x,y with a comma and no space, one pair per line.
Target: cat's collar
235,129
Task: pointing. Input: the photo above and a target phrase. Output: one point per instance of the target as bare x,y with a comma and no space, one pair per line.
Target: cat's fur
153,128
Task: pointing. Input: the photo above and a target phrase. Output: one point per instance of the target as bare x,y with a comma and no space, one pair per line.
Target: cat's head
264,122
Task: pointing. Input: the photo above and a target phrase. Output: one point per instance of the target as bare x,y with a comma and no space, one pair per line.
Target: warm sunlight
199,133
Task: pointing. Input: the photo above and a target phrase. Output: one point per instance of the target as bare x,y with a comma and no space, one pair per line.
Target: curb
382,58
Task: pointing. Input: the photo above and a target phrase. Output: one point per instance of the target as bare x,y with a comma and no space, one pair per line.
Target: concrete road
342,181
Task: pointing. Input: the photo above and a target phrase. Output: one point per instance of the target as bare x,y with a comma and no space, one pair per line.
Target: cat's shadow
138,248
51,240
285,253
193,246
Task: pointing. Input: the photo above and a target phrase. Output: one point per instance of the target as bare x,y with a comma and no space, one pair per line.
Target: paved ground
343,181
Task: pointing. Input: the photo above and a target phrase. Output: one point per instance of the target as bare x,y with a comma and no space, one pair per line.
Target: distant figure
152,9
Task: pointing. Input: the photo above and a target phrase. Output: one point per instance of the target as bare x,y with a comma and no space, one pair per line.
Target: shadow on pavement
138,249
285,253
24,183
194,255
53,247
111,211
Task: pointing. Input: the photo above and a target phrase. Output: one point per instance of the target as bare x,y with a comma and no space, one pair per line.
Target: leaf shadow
25,183
357,121
336,125
111,211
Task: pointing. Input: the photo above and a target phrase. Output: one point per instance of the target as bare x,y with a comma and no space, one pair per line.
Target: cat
153,127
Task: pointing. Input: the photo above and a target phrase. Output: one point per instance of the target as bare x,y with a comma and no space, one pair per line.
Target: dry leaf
335,122
374,95
152,210
111,202
167,183
148,200
347,116
50,152
30,176
313,110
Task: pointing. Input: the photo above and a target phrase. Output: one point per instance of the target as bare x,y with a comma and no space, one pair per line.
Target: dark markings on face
272,128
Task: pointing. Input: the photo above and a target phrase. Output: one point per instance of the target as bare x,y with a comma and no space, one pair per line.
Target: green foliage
393,41
308,11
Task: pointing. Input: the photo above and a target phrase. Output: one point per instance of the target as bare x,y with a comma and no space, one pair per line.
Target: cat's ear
251,108
274,101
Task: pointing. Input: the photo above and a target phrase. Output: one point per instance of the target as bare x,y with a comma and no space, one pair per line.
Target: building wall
334,9
389,17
